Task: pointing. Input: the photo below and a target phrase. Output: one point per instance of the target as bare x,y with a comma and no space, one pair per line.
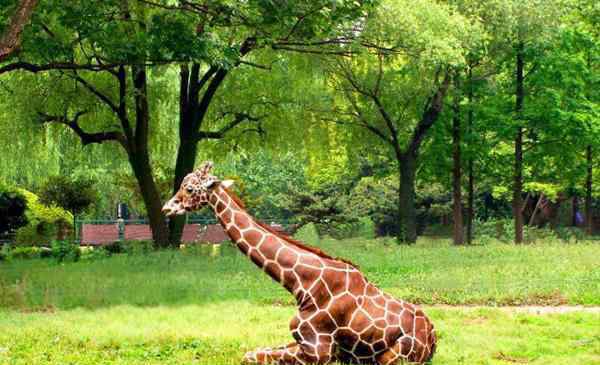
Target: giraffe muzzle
171,209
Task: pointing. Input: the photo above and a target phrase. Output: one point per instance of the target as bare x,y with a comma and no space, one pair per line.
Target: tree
299,26
109,62
75,196
395,87
10,41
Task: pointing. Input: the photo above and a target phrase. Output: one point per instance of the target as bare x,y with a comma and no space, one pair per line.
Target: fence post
121,225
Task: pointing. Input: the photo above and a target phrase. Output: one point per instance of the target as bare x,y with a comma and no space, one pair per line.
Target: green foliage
73,195
309,234
64,250
503,230
137,247
24,253
44,223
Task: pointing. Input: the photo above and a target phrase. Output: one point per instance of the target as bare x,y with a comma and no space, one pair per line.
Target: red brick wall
97,234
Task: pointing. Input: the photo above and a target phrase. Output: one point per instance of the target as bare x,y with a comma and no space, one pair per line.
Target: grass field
210,305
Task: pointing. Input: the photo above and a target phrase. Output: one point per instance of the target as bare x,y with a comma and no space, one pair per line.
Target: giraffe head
195,191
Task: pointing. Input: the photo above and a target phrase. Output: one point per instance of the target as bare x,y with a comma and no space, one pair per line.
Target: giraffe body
341,315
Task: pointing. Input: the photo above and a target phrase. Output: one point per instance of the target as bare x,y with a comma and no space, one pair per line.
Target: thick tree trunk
471,184
588,192
139,156
518,167
457,211
186,153
193,109
143,174
10,41
406,202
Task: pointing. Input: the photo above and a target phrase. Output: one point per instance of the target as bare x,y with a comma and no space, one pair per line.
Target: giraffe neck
268,251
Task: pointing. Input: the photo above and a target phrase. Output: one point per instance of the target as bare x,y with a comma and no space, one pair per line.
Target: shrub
363,227
93,253
73,195
24,253
3,252
308,233
504,230
114,247
12,210
44,223
66,251
136,247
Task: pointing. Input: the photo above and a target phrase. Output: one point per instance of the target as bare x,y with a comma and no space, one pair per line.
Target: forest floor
209,305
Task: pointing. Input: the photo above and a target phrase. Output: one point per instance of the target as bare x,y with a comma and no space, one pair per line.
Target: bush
114,247
362,227
12,210
571,234
504,230
308,233
93,253
73,195
24,253
44,223
136,247
66,251
4,252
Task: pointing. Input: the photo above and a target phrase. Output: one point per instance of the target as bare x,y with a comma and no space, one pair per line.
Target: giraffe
341,315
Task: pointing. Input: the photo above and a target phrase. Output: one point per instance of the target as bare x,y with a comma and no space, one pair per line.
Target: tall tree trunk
518,167
10,41
588,192
186,153
193,109
406,201
151,196
457,215
139,156
471,184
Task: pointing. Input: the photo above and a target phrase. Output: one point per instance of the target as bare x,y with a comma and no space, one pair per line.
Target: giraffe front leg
278,355
292,354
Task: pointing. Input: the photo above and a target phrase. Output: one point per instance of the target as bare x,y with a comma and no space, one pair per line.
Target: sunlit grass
220,333
432,272
209,305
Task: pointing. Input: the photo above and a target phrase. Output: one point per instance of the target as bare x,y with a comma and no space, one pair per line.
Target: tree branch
433,109
104,98
11,41
85,137
26,66
238,119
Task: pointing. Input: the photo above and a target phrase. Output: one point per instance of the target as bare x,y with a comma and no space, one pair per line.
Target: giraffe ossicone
341,315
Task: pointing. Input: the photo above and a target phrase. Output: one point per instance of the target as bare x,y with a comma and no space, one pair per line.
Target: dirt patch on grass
528,309
508,358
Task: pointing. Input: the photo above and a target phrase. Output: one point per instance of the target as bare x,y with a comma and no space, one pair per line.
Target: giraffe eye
190,189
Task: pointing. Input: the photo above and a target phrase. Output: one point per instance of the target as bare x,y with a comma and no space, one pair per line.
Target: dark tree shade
72,195
12,212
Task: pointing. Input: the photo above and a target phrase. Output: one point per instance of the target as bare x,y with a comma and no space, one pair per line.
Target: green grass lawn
220,333
432,272
210,305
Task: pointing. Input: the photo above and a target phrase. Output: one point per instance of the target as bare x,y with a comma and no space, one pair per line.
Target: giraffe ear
205,168
227,183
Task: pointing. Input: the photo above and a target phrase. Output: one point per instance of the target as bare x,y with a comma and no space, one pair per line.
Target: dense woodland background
392,117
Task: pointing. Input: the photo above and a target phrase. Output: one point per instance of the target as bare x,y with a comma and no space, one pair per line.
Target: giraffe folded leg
278,355
406,350
292,354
